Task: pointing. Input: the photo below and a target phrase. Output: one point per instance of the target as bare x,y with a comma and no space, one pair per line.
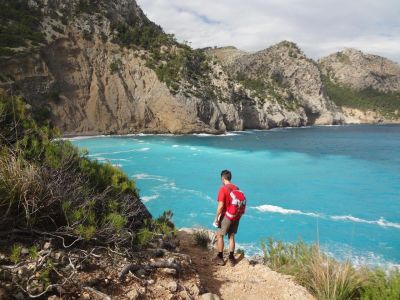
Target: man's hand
219,212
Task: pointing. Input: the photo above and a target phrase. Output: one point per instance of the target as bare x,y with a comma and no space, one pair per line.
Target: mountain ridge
102,67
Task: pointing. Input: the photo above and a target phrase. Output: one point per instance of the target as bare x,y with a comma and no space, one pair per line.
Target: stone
168,271
209,296
133,294
140,273
46,246
57,255
24,251
256,259
172,286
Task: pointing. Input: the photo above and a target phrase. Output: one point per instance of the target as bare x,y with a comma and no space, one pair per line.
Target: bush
160,227
367,99
87,7
201,238
147,36
19,24
49,185
240,251
327,278
115,65
381,285
15,253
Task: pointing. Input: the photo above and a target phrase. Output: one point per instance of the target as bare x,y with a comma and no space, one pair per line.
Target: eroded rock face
290,74
360,71
94,86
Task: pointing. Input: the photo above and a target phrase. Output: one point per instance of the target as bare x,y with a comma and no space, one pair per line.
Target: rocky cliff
103,67
366,86
285,81
97,73
360,71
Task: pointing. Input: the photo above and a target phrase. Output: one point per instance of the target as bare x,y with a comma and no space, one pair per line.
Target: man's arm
219,210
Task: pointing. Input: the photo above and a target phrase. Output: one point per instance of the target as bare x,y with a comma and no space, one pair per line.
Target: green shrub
87,7
162,226
321,275
147,36
19,24
47,183
115,65
6,52
381,285
144,236
117,221
201,238
240,251
367,99
15,253
33,252
258,86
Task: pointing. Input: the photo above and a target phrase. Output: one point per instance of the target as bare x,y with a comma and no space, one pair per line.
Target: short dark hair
226,174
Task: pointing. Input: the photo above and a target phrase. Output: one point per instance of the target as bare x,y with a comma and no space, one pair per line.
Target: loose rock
209,296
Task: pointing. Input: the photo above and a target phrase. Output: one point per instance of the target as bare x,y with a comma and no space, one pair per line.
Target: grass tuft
326,278
201,238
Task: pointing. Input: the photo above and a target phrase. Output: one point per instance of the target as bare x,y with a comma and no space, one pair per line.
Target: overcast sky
319,27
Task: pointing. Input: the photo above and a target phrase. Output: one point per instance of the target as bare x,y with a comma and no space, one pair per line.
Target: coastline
76,136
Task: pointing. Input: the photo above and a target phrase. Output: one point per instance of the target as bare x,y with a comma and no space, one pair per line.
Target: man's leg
220,248
220,243
231,242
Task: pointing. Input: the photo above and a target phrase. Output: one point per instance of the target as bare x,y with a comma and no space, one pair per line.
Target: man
226,226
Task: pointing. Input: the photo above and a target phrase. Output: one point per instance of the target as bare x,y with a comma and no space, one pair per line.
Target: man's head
226,176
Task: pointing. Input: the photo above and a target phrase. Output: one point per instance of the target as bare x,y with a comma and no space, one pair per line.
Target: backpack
237,205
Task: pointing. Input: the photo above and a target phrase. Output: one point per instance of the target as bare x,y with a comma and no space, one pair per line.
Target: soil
243,281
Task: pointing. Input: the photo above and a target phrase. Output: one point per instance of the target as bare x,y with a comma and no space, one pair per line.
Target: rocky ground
173,269
248,279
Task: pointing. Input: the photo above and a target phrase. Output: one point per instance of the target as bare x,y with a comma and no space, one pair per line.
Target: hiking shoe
219,261
232,261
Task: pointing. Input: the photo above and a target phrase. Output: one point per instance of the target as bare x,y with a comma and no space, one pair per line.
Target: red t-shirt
223,195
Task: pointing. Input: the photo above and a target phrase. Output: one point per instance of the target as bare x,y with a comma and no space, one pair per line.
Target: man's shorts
228,226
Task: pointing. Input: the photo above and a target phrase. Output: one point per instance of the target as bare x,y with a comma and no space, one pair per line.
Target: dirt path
243,281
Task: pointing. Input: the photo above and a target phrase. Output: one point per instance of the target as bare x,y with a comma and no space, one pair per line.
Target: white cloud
318,27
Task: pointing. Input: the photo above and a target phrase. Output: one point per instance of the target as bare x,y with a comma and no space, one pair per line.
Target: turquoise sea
339,185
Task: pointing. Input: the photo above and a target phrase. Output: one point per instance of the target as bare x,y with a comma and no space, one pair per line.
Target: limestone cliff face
72,75
291,81
360,71
366,86
92,85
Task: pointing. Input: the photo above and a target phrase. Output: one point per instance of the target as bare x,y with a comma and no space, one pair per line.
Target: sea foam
284,211
349,218
381,222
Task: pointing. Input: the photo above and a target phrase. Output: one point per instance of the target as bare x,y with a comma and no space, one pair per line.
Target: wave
290,127
381,222
119,152
145,176
149,198
216,135
284,211
99,158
